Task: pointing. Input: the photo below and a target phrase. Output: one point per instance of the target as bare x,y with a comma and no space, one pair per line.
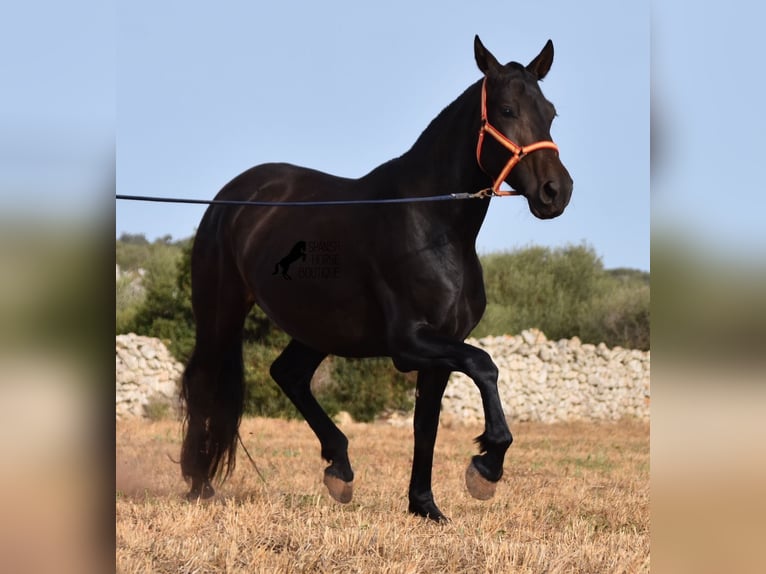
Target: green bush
158,408
539,287
565,292
620,318
365,388
128,298
133,252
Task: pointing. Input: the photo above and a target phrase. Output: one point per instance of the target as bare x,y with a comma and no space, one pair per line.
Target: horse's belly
319,300
336,327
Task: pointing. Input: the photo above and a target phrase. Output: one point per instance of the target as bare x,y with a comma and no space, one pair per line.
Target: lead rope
242,202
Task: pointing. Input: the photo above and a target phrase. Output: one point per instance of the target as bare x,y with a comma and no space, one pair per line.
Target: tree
134,238
166,311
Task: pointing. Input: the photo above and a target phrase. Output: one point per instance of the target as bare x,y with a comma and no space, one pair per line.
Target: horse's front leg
430,388
427,351
486,469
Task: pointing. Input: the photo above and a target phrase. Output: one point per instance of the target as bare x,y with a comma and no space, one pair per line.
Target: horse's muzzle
551,198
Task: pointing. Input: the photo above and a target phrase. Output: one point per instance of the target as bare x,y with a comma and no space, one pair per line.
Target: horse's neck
442,161
447,147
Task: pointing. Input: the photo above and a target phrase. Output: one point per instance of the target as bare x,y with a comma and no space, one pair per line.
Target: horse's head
519,118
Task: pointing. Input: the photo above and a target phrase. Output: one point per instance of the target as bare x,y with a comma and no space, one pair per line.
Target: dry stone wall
539,380
555,381
146,373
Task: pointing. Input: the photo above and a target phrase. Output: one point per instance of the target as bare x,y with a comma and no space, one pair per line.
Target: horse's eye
507,112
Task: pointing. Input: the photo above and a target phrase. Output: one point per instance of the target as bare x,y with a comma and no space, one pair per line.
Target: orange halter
518,151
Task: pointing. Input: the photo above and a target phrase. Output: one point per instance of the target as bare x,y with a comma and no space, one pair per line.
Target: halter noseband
517,151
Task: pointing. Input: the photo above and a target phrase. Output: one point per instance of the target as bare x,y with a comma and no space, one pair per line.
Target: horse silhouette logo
298,251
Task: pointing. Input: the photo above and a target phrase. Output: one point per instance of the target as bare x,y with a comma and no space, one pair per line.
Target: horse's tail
213,383
214,397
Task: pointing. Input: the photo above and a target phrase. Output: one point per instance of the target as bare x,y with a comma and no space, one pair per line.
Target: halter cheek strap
517,151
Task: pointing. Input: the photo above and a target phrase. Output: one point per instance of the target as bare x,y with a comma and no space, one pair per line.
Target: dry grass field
574,498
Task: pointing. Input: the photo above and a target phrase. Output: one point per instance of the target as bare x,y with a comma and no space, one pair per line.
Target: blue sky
205,91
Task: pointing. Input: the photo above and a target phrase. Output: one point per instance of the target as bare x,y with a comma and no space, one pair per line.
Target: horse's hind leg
292,371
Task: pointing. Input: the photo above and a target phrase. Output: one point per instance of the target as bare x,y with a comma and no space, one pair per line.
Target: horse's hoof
340,490
478,486
429,511
200,492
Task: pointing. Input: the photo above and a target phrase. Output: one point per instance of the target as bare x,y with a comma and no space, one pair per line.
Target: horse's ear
487,63
542,62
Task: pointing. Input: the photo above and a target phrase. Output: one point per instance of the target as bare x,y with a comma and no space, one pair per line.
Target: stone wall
539,380
553,381
146,373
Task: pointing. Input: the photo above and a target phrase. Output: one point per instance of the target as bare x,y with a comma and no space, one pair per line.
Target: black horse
407,282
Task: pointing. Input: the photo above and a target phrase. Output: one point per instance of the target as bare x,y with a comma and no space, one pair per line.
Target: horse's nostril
550,191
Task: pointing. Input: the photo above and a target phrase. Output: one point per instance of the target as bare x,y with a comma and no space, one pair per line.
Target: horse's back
268,229
286,182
